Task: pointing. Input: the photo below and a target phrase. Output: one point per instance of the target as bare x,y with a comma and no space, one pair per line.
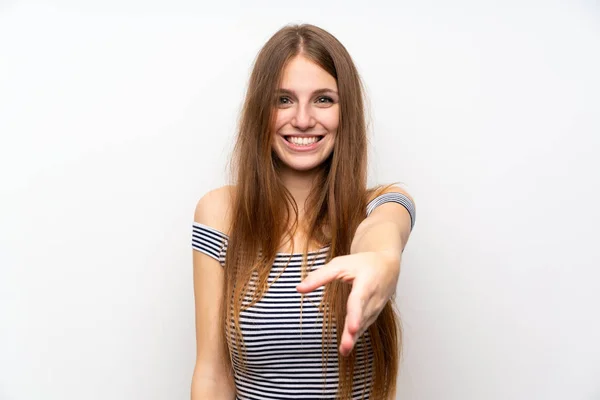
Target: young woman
299,211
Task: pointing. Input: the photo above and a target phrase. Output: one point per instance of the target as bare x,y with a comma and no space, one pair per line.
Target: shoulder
395,187
392,193
214,208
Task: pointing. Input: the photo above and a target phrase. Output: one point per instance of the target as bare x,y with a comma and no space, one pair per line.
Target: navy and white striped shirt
284,349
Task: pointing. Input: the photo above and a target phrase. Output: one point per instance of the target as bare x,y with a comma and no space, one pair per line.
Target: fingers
347,343
316,279
327,273
360,308
348,340
354,309
353,324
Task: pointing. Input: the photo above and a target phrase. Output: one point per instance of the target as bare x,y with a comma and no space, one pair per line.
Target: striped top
284,351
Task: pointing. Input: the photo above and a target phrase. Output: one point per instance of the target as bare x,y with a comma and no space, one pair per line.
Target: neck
299,184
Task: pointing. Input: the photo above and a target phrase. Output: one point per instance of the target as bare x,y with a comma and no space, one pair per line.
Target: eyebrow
318,91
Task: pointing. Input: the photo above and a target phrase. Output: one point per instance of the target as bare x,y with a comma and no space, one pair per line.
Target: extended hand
373,276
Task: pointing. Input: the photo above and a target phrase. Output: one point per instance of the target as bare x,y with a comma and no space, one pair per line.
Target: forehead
301,74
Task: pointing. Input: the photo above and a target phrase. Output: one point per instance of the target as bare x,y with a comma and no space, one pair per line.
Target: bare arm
386,230
372,267
213,376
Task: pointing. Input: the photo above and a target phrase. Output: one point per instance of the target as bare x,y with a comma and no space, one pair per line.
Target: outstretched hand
373,276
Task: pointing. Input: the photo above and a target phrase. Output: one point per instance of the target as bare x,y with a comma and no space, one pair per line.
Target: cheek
280,120
332,124
331,119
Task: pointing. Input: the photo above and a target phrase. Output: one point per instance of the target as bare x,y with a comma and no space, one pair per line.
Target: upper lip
302,135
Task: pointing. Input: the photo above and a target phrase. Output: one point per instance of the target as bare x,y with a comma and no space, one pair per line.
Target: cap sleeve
394,197
209,241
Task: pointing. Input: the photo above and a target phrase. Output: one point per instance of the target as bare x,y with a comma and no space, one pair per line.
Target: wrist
391,257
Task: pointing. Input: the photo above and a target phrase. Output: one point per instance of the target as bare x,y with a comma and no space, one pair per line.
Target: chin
301,167
305,168
300,162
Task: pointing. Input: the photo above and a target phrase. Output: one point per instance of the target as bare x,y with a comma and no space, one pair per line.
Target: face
307,115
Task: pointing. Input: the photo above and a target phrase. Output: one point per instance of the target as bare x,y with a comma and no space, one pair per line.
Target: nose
303,119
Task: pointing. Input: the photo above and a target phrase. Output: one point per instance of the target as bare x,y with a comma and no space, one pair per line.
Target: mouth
303,143
303,140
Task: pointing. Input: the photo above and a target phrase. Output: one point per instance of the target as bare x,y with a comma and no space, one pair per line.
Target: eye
284,100
326,99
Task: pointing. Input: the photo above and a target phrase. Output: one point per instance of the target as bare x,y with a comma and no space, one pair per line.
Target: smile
303,143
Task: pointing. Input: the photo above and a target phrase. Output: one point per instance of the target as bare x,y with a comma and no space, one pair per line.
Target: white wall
116,117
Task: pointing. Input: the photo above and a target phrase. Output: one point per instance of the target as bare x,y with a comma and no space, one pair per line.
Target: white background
116,116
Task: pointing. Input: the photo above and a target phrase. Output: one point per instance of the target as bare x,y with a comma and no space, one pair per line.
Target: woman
299,205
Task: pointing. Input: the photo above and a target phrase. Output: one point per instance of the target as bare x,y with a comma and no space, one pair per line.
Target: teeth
303,141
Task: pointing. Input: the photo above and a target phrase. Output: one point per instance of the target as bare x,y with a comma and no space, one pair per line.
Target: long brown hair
261,216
